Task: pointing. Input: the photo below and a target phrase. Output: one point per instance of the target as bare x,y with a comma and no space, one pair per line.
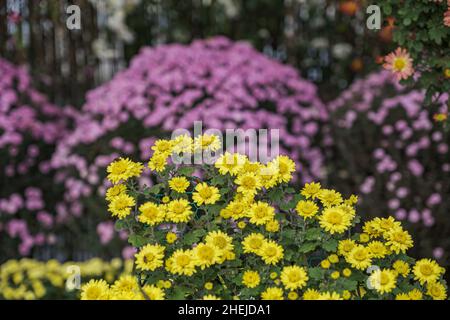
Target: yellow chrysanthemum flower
210,297
285,168
158,162
346,272
121,205
272,293
205,194
230,163
151,213
359,257
311,190
345,246
253,243
426,271
401,267
163,147
207,142
294,277
261,213
251,279
415,294
179,184
311,294
398,240
383,281
334,220
125,283
248,183
271,252
273,226
385,225
150,257
436,290
179,210
268,175
330,296
171,237
402,296
235,210
123,169
114,191
209,285
153,292
377,249
292,295
330,197
183,144
95,290
206,255
183,262
220,240
307,208
372,229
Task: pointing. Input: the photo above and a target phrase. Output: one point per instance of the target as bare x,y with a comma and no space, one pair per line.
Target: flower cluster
30,127
398,157
28,279
236,230
224,84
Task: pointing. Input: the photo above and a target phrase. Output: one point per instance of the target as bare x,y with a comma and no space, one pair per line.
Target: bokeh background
73,100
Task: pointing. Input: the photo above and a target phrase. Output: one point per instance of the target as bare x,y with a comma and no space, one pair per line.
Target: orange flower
440,117
399,63
349,7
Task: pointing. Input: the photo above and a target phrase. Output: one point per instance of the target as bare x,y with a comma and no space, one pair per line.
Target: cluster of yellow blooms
240,232
30,279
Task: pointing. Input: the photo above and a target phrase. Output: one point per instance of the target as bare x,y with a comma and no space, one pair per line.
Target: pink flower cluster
390,147
224,84
30,126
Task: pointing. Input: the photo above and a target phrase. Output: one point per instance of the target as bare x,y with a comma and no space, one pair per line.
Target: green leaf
316,273
155,189
119,225
330,245
186,171
307,247
136,240
313,234
218,180
180,293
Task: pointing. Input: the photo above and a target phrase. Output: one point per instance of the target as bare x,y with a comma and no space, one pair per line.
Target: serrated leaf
313,234
330,245
316,273
307,247
136,240
119,225
155,189
186,171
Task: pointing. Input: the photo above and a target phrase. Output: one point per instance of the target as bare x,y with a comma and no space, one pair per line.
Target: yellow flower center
399,64
220,242
270,251
205,193
426,269
384,279
148,257
360,255
206,253
294,276
255,243
248,182
334,218
183,260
